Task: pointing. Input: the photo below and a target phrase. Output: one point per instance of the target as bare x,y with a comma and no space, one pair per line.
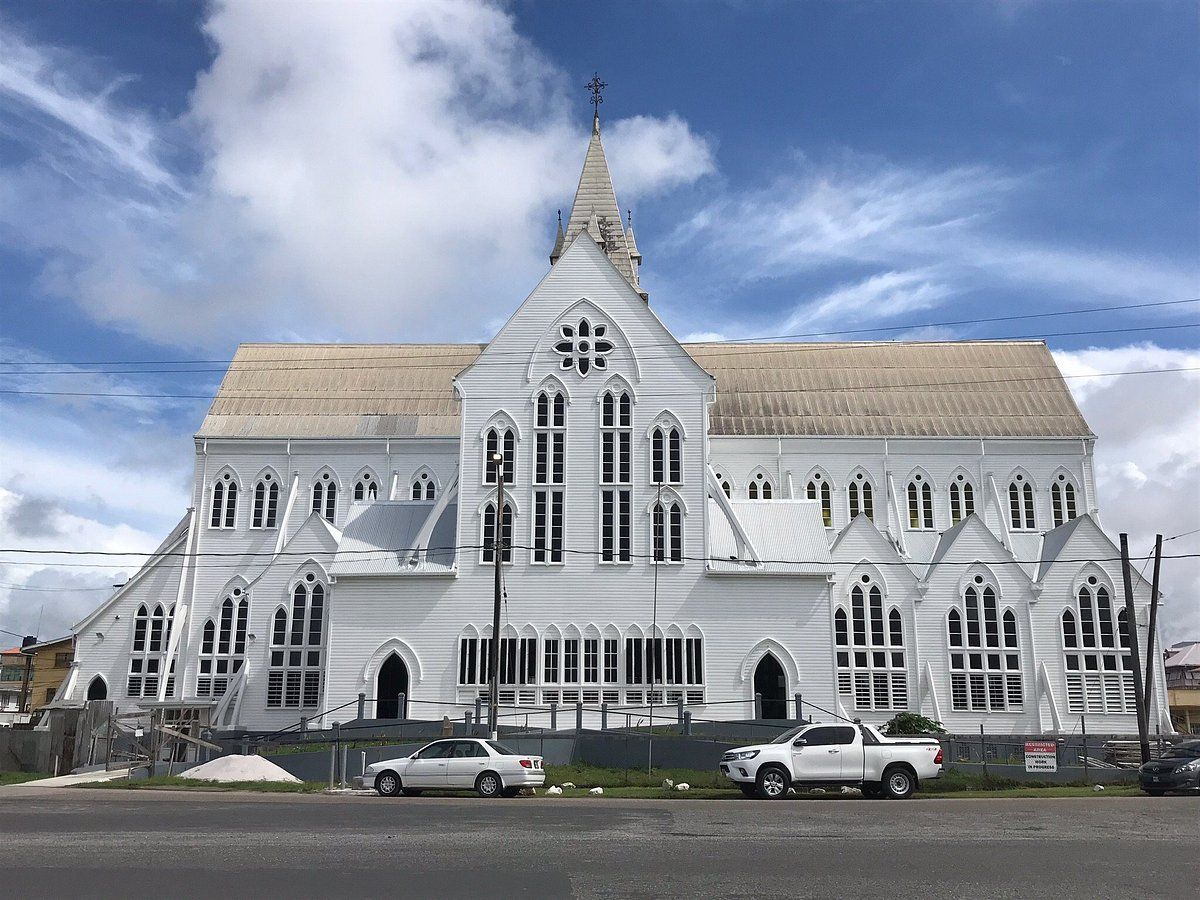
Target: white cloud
358,174
1147,459
890,223
877,297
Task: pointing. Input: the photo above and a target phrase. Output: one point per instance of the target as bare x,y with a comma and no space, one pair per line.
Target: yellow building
1183,687
51,665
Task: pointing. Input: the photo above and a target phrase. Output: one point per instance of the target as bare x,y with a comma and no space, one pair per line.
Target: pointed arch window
818,489
324,497
223,513
266,502
296,673
616,477
1097,656
1062,500
423,488
666,455
759,487
500,439
962,499
666,526
723,482
870,653
488,536
1020,504
223,645
861,498
985,670
366,489
549,476
920,504
151,638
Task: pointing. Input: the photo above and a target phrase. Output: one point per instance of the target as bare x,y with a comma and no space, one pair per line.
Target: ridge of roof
853,389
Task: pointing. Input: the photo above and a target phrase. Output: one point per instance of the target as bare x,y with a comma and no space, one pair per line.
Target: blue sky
177,178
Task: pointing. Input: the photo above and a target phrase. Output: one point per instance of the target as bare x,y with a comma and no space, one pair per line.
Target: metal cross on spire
596,87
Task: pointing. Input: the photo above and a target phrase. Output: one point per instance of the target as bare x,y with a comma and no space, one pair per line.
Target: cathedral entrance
391,683
770,682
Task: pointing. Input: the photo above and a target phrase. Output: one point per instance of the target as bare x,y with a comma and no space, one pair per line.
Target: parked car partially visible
1178,769
457,764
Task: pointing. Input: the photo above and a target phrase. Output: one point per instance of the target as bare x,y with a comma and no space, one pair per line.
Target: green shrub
908,723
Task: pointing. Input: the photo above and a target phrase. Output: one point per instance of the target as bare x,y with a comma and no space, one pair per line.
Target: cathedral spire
595,208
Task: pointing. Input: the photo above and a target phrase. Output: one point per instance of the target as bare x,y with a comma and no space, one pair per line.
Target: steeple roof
595,211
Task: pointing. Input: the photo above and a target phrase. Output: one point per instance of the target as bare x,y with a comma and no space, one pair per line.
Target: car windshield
1186,750
501,749
788,735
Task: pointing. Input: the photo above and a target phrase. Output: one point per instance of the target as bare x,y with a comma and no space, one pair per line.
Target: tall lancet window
549,475
324,497
962,499
1020,504
861,496
1062,500
616,477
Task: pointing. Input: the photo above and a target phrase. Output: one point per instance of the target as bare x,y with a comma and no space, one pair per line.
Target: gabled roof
971,389
950,537
1053,544
1187,658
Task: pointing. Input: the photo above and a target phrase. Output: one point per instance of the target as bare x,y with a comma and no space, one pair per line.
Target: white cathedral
876,527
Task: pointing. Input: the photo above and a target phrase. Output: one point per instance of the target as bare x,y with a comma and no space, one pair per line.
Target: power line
747,340
440,395
332,364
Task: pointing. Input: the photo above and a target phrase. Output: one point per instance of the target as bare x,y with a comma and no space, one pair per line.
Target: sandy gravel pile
239,768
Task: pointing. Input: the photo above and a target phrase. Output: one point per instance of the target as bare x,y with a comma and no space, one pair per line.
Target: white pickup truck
829,755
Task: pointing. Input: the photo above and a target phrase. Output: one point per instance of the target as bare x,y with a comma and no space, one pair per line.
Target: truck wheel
872,790
750,790
898,783
771,783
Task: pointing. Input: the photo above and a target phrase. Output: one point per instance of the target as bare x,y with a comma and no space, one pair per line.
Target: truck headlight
1189,766
744,754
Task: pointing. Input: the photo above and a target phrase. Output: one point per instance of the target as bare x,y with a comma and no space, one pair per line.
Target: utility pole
1135,651
498,561
1158,542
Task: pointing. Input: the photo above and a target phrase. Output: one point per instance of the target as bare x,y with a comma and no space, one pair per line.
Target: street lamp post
497,561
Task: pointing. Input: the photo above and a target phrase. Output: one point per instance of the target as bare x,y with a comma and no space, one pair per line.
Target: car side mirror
800,742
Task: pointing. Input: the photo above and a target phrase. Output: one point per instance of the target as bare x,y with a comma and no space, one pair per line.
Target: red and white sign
1041,756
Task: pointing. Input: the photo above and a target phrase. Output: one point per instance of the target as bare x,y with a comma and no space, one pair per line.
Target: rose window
583,347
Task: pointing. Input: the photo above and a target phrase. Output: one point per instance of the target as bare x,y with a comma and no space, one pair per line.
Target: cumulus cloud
1147,459
357,173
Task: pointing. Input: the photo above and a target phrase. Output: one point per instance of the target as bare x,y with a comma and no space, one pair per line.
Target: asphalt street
92,843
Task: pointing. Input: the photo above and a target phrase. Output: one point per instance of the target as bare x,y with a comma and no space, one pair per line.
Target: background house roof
952,389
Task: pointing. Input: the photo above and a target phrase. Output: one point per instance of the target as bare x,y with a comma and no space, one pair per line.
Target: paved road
81,842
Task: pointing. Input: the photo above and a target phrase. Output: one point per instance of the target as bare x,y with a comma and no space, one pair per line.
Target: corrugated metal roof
377,537
1187,658
788,535
972,389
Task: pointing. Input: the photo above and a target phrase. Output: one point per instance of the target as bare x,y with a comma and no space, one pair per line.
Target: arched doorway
97,689
391,683
770,682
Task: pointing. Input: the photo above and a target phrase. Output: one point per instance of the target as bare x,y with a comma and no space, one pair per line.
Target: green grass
175,783
20,777
597,776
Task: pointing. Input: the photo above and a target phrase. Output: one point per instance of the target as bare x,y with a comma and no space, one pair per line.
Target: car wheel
771,783
510,792
898,783
411,792
872,790
750,790
388,784
488,785
1155,793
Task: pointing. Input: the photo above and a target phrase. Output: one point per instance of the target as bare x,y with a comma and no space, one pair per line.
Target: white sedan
457,764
